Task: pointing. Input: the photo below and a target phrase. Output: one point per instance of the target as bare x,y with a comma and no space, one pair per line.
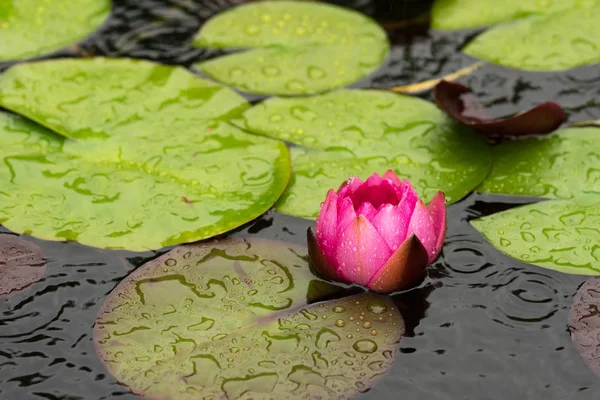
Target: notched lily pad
21,264
561,165
584,323
155,162
292,47
33,27
357,132
559,234
233,319
460,104
535,35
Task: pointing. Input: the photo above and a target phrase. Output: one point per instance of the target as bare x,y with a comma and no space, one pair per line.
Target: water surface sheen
482,326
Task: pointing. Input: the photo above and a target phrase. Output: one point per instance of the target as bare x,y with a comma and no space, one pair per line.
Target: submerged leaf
233,319
560,234
32,27
21,264
460,104
544,35
358,132
561,165
154,164
292,47
584,323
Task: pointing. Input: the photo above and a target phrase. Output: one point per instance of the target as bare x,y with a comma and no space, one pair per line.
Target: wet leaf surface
32,27
292,47
358,132
462,14
584,323
561,165
558,234
544,36
238,319
21,264
460,104
161,168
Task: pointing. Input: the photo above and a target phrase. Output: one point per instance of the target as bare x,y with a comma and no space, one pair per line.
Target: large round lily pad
559,234
233,319
545,35
462,14
358,132
562,165
21,264
32,27
292,47
154,164
584,323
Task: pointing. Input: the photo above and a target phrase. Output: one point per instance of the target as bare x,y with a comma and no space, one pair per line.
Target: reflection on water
482,326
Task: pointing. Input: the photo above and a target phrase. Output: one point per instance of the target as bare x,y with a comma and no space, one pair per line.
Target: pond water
481,326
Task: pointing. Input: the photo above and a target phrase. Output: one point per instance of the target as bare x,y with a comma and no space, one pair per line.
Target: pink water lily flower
377,233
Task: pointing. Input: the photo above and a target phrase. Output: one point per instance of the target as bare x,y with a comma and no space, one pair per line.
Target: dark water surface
482,325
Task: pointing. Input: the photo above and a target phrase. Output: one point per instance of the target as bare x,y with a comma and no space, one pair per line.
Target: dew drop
365,346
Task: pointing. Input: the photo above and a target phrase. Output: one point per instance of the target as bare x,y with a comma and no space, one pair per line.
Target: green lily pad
292,47
562,165
357,132
233,319
463,14
32,27
154,163
559,234
547,36
21,264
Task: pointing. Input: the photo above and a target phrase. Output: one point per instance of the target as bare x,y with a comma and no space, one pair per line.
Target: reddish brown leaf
21,264
318,260
460,104
404,270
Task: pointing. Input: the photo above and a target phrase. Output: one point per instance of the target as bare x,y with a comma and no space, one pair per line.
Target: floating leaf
584,323
458,102
32,27
561,165
232,319
560,234
547,37
461,14
154,164
21,264
358,132
294,47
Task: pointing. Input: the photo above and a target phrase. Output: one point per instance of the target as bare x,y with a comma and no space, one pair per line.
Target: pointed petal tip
319,263
404,270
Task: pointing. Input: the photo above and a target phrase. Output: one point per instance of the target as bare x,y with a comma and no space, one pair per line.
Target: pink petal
367,210
391,175
392,225
325,269
349,186
421,225
361,252
346,215
404,269
326,227
375,191
437,211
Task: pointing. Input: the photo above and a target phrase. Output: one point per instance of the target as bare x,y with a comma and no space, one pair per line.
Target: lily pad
584,323
292,47
155,163
561,165
21,264
462,14
32,27
557,36
357,132
233,319
559,234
